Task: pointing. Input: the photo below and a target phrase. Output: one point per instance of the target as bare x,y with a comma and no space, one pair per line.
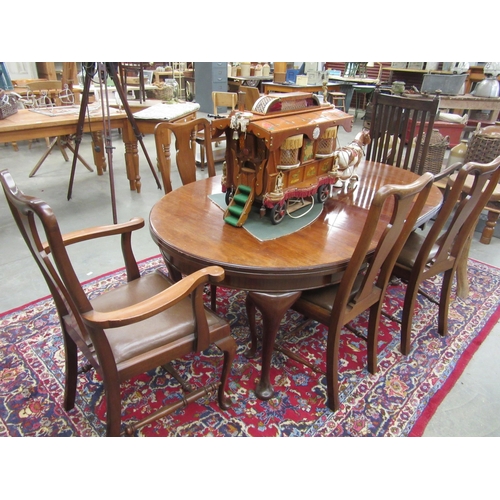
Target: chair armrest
100,231
125,229
447,171
156,304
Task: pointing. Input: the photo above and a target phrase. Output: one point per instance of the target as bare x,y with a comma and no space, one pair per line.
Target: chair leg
202,156
444,302
408,308
373,328
332,367
228,347
113,407
71,371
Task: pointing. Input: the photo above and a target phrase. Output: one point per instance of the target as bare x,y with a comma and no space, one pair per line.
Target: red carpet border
398,401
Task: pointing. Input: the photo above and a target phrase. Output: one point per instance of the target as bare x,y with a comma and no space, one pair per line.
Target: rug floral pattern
386,404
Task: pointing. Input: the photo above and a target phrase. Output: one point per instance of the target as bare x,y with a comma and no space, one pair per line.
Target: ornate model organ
280,151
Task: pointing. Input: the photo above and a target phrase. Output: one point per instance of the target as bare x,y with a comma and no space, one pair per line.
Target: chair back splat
143,324
185,146
226,100
401,130
426,255
393,214
187,135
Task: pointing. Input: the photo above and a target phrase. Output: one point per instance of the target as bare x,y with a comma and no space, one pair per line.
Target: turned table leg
98,152
489,228
273,307
131,158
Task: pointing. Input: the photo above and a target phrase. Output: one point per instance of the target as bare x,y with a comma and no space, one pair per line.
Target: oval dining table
191,234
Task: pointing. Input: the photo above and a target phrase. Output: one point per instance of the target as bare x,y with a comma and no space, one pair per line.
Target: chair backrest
459,214
407,204
226,100
397,129
252,94
185,146
39,227
233,86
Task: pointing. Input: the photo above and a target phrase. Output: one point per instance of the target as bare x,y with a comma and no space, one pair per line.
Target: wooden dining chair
185,135
223,104
252,94
185,145
440,250
365,279
145,323
401,129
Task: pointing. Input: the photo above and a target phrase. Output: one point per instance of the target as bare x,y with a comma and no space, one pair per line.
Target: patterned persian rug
397,401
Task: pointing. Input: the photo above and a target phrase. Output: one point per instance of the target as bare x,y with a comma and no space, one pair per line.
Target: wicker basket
483,147
435,155
164,92
8,105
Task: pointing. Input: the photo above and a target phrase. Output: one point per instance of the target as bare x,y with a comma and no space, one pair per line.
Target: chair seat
410,251
177,322
495,197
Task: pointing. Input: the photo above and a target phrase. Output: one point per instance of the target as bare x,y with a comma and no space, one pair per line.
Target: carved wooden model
281,151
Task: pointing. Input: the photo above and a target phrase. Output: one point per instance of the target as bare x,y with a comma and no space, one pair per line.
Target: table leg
273,307
99,152
131,157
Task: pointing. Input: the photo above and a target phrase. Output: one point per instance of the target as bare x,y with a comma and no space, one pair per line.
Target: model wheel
323,192
278,212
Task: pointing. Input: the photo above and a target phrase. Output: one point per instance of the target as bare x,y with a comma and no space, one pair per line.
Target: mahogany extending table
191,234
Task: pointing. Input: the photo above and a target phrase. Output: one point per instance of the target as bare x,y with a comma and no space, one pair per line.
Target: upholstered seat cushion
495,197
323,298
411,248
174,323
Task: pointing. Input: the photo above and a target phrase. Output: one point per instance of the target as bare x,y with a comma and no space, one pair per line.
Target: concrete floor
472,408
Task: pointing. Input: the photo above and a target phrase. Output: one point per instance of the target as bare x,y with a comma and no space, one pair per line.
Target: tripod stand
104,70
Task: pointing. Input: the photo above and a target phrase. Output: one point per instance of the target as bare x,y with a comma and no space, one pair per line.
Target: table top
469,101
250,78
26,124
26,119
353,80
191,233
167,112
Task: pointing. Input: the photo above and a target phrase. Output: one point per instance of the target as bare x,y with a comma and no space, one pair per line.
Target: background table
470,102
191,234
25,125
